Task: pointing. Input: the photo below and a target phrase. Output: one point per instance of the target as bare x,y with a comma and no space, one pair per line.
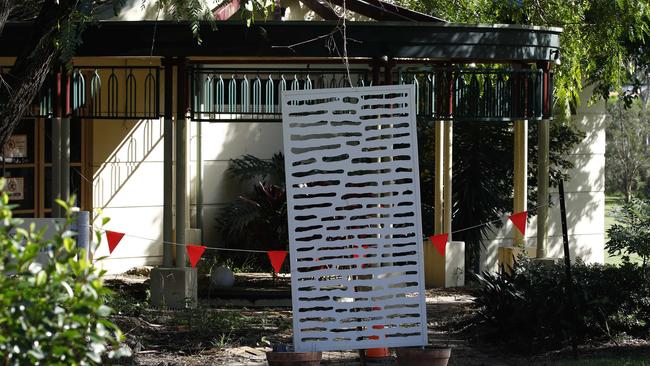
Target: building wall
585,197
220,143
127,179
128,184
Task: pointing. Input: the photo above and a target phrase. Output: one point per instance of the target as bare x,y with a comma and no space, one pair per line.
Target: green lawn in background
612,204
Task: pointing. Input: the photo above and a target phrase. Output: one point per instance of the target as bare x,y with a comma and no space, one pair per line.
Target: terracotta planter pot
421,356
294,358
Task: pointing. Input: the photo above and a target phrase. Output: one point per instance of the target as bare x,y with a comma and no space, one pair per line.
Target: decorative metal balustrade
464,94
478,94
115,92
255,94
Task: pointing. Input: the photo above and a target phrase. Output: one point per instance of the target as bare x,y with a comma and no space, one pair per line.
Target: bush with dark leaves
530,307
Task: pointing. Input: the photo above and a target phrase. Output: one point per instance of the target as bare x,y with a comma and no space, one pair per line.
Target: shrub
53,312
258,218
632,234
529,307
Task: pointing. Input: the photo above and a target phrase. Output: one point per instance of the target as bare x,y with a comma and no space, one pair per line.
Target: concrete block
547,261
444,270
174,287
507,255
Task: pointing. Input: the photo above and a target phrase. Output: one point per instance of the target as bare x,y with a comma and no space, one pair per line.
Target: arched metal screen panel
115,92
353,205
473,94
254,94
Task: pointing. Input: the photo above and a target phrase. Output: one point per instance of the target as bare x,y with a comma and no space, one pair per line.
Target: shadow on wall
220,143
585,201
127,188
125,160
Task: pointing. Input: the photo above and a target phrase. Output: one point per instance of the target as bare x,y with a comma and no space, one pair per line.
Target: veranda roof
435,41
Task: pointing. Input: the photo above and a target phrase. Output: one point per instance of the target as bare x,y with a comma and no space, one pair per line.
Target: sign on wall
16,148
357,276
15,188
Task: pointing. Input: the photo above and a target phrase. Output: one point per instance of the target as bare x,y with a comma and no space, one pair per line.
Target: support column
448,142
168,162
521,168
65,140
438,192
181,167
542,188
56,165
543,165
56,146
65,159
447,177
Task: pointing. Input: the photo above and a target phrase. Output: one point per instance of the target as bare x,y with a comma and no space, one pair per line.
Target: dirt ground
217,335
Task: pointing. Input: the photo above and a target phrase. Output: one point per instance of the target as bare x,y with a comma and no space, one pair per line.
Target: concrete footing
446,270
546,261
174,287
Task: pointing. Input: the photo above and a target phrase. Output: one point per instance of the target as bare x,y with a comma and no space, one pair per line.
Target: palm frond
250,168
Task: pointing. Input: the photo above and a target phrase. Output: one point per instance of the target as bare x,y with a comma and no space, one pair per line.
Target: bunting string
113,238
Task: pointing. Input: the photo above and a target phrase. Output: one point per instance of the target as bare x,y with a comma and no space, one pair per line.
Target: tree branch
32,66
5,9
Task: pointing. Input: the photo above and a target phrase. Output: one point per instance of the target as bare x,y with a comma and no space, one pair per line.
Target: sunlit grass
612,205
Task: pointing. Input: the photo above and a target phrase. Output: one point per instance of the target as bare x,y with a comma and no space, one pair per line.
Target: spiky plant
257,220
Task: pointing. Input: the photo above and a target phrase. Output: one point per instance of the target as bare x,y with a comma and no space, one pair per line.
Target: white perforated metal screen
355,231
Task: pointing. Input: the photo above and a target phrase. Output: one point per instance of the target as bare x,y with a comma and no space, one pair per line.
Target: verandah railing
253,94
472,94
115,92
225,94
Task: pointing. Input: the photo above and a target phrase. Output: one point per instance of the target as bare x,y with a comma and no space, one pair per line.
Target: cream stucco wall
128,176
127,162
220,143
585,197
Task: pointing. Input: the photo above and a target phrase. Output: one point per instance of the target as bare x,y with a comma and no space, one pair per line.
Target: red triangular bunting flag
113,238
519,220
440,242
194,252
277,258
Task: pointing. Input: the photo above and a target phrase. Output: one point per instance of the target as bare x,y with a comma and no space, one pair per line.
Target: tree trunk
32,66
5,10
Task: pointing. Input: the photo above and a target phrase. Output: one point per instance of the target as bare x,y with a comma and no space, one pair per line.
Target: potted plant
424,355
283,355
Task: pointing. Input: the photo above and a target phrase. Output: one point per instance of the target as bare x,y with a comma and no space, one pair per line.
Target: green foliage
52,310
481,194
251,168
258,219
628,158
631,233
531,304
603,40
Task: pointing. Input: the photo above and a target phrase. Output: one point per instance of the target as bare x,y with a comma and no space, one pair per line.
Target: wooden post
543,165
168,162
438,178
521,174
448,170
56,146
181,171
64,144
448,144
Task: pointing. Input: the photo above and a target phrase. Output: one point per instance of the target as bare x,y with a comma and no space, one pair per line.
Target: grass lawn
612,204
